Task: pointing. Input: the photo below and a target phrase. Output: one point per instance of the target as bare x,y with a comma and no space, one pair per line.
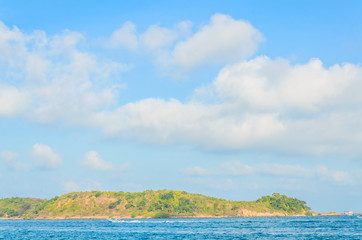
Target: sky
231,99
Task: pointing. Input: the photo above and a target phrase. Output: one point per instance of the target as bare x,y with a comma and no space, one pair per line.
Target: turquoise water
199,228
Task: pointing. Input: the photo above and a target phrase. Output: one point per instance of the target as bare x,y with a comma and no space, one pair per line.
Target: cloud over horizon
262,103
238,169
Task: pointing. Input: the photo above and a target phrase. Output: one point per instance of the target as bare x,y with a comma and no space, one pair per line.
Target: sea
331,227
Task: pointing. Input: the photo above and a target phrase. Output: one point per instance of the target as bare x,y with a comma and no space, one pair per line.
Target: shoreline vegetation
149,204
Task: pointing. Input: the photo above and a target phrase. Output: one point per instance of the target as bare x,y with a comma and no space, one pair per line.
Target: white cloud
288,171
71,186
124,37
297,171
93,161
156,37
340,177
236,168
284,170
165,122
262,103
12,101
223,40
52,78
10,160
316,106
85,185
265,84
195,171
12,43
323,133
36,68
184,28
255,104
45,157
8,156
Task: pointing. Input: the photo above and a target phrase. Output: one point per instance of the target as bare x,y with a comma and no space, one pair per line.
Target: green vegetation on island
284,203
18,207
148,204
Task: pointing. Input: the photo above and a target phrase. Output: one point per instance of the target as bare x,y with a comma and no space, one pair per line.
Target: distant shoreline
190,217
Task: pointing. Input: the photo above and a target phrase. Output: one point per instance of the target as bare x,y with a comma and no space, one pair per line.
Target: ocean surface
339,227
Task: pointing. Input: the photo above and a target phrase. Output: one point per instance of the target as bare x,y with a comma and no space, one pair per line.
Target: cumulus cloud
45,157
316,105
93,161
265,84
259,103
156,37
223,40
124,37
153,39
210,127
52,77
12,100
262,103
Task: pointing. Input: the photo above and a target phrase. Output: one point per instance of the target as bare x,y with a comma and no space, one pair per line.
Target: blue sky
232,99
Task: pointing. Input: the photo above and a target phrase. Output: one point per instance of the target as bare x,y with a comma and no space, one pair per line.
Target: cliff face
162,203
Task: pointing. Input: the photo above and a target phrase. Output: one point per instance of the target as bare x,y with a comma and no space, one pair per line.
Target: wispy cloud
93,161
195,171
236,168
10,159
124,37
340,177
239,169
85,185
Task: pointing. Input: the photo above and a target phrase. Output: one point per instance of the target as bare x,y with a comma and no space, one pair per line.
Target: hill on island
16,207
148,204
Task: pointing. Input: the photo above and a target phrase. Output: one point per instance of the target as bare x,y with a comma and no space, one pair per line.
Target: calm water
202,228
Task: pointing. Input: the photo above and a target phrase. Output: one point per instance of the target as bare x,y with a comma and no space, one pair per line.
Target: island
148,204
